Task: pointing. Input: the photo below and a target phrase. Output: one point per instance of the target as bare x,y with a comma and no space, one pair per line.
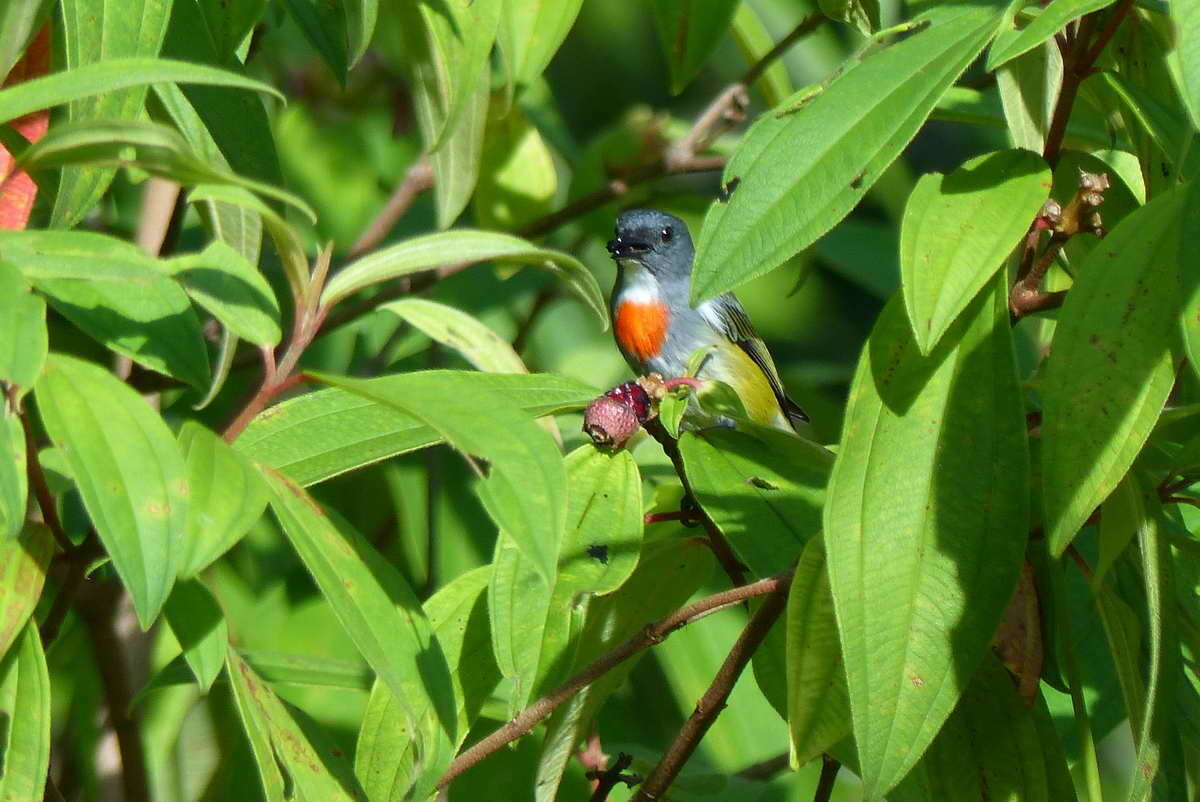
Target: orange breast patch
641,329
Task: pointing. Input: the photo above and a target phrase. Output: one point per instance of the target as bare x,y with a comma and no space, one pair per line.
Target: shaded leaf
530,33
763,489
862,14
18,20
924,535
1186,15
1028,87
689,32
957,231
129,472
110,75
25,707
801,171
23,563
223,282
14,483
517,179
1110,367
23,339
199,626
319,435
451,327
1053,18
227,497
324,26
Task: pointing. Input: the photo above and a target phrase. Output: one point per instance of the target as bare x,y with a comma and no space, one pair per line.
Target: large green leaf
386,753
324,26
319,435
799,172
1110,369
14,485
199,626
671,569
23,563
525,490
762,488
128,469
223,282
94,31
111,75
818,707
518,181
117,294
689,31
227,497
535,625
925,525
455,329
1012,43
23,338
995,746
294,761
457,247
529,35
1186,15
958,229
381,615
25,708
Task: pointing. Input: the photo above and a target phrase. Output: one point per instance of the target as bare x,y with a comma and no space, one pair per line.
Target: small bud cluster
614,417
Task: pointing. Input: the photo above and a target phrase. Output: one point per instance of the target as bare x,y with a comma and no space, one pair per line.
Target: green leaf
993,747
223,282
290,764
128,470
1119,522
228,23
227,497
457,161
199,626
1028,86
818,707
457,247
1110,368
670,570
25,702
525,490
535,624
116,294
862,14
957,231
689,32
754,41
447,44
517,179
23,339
763,488
18,20
319,435
1186,16
379,612
23,563
1052,19
801,172
324,26
94,31
451,327
153,147
111,75
276,668
1167,126
530,33
384,758
925,525
14,484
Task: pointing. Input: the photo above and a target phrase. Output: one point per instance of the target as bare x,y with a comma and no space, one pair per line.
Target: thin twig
1115,18
806,26
829,773
713,700
608,779
41,490
418,179
652,635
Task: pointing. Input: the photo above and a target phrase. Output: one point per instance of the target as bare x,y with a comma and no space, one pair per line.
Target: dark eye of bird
666,234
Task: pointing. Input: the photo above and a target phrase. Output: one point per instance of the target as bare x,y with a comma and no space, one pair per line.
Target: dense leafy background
301,303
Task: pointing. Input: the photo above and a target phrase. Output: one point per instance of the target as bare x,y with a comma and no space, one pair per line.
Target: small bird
658,330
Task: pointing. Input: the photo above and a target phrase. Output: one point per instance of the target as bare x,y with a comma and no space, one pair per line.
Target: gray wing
725,314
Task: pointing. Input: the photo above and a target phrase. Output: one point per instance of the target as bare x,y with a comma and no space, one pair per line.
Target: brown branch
418,179
713,700
1115,18
806,26
724,552
608,779
652,635
41,490
829,773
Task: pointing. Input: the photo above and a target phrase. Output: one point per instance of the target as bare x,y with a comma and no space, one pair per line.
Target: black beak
624,249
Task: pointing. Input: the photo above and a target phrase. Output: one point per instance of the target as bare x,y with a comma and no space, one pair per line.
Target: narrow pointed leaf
1110,366
23,338
818,706
456,163
529,35
199,626
1052,19
1028,86
800,172
925,525
110,75
957,231
14,484
128,470
319,435
25,708
689,32
232,290
379,612
324,26
455,329
462,246
23,563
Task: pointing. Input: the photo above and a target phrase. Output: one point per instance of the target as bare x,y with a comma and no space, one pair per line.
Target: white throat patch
639,287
